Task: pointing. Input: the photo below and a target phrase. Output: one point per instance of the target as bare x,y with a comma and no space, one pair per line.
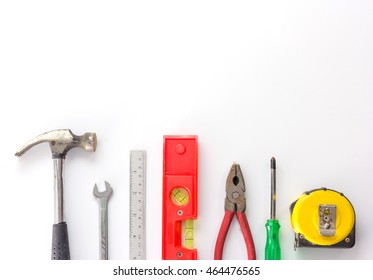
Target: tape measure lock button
323,218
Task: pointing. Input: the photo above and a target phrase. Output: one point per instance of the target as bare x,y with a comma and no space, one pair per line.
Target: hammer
61,141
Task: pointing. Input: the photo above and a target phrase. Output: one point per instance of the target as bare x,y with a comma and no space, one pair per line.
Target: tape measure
323,218
137,205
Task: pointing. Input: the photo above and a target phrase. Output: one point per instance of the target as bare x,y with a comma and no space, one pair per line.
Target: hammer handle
60,242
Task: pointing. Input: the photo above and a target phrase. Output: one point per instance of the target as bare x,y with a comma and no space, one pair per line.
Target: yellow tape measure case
323,218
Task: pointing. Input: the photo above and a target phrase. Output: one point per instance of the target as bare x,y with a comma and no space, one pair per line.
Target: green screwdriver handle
272,250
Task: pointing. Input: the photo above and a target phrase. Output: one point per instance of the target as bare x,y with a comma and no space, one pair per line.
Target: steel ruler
137,205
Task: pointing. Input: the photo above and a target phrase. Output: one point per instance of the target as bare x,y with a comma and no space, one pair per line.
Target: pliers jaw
235,190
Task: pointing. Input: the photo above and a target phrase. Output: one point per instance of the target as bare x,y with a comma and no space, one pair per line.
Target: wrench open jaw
102,199
105,194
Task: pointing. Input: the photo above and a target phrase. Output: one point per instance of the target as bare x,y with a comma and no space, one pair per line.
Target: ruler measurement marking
137,205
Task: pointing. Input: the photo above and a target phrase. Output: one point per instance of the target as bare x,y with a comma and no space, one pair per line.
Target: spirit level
180,193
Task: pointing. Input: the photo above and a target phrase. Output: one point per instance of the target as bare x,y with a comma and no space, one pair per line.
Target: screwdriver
272,249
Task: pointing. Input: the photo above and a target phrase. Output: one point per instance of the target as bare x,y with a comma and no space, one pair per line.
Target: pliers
235,203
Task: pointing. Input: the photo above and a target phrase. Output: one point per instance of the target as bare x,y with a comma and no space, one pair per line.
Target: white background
253,79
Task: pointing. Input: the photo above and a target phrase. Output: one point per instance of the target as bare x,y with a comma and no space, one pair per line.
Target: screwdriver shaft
273,189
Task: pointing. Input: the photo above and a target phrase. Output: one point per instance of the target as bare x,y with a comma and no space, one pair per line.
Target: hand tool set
320,218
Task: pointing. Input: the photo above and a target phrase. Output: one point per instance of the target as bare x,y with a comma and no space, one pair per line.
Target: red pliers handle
235,203
228,217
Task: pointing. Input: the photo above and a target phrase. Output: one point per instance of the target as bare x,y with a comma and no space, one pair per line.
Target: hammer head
61,141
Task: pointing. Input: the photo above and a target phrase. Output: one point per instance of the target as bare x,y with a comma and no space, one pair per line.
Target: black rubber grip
60,242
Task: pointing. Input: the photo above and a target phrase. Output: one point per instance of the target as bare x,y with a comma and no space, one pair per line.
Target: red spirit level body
180,196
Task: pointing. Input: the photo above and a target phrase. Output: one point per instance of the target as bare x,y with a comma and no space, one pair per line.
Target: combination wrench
102,198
